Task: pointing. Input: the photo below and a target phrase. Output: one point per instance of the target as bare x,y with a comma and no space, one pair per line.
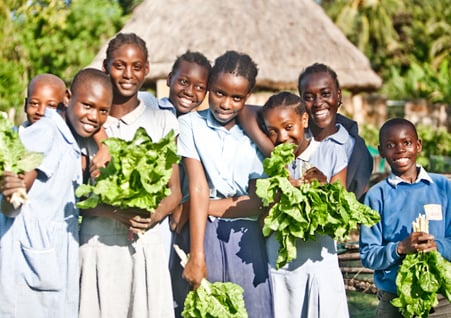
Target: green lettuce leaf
215,300
302,212
420,278
136,176
13,154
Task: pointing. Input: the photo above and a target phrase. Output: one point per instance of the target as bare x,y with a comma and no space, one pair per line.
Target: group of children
50,267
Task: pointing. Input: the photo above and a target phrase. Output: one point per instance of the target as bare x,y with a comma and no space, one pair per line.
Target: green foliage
420,277
215,300
137,174
421,81
407,42
13,155
302,212
51,36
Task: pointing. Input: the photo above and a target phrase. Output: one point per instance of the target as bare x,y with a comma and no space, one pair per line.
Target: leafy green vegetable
210,300
301,212
15,157
420,277
137,174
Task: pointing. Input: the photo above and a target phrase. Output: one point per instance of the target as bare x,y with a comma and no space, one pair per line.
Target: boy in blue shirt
39,242
405,194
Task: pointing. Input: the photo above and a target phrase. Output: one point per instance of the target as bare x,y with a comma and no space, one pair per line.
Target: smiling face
283,124
187,86
88,107
322,98
399,145
44,91
128,68
227,97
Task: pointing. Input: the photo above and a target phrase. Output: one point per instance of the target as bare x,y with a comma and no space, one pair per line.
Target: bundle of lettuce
15,157
420,278
136,176
302,212
213,300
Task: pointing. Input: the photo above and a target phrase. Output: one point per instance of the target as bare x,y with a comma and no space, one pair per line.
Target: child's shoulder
440,179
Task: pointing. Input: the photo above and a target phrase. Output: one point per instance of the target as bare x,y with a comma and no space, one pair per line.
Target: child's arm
237,207
340,176
172,201
196,269
247,119
102,157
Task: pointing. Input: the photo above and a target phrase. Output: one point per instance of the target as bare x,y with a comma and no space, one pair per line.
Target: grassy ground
361,305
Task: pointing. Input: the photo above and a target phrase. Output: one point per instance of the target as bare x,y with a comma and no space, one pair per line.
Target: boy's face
187,86
128,68
40,96
400,146
284,124
322,98
228,94
88,108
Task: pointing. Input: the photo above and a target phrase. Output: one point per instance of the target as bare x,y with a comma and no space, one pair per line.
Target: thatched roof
282,36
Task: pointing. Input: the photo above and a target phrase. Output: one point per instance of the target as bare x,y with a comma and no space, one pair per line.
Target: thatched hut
282,36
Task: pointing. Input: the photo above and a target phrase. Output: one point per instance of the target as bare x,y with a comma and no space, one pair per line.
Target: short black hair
317,68
396,122
191,57
239,64
91,74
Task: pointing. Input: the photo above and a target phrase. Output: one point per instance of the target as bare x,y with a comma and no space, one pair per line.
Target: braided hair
239,64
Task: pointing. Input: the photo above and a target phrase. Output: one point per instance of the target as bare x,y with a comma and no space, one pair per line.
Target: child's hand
179,217
314,174
195,270
417,242
11,183
311,174
100,160
14,193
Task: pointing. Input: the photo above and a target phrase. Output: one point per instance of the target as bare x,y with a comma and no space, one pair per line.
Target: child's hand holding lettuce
137,175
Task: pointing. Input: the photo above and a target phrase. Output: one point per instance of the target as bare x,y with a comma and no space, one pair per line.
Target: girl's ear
305,120
147,68
339,97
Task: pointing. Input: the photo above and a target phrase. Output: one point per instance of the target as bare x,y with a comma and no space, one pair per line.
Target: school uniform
234,248
311,285
39,247
399,203
119,277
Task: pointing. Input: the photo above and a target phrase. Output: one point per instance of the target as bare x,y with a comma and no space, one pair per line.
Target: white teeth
88,127
126,85
186,102
402,160
321,113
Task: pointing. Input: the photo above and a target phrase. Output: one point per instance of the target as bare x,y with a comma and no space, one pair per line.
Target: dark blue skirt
235,252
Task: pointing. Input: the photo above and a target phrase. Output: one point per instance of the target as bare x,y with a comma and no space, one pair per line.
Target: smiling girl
120,277
223,235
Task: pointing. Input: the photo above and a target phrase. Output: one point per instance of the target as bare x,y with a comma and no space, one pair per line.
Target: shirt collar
340,137
165,104
394,180
128,118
